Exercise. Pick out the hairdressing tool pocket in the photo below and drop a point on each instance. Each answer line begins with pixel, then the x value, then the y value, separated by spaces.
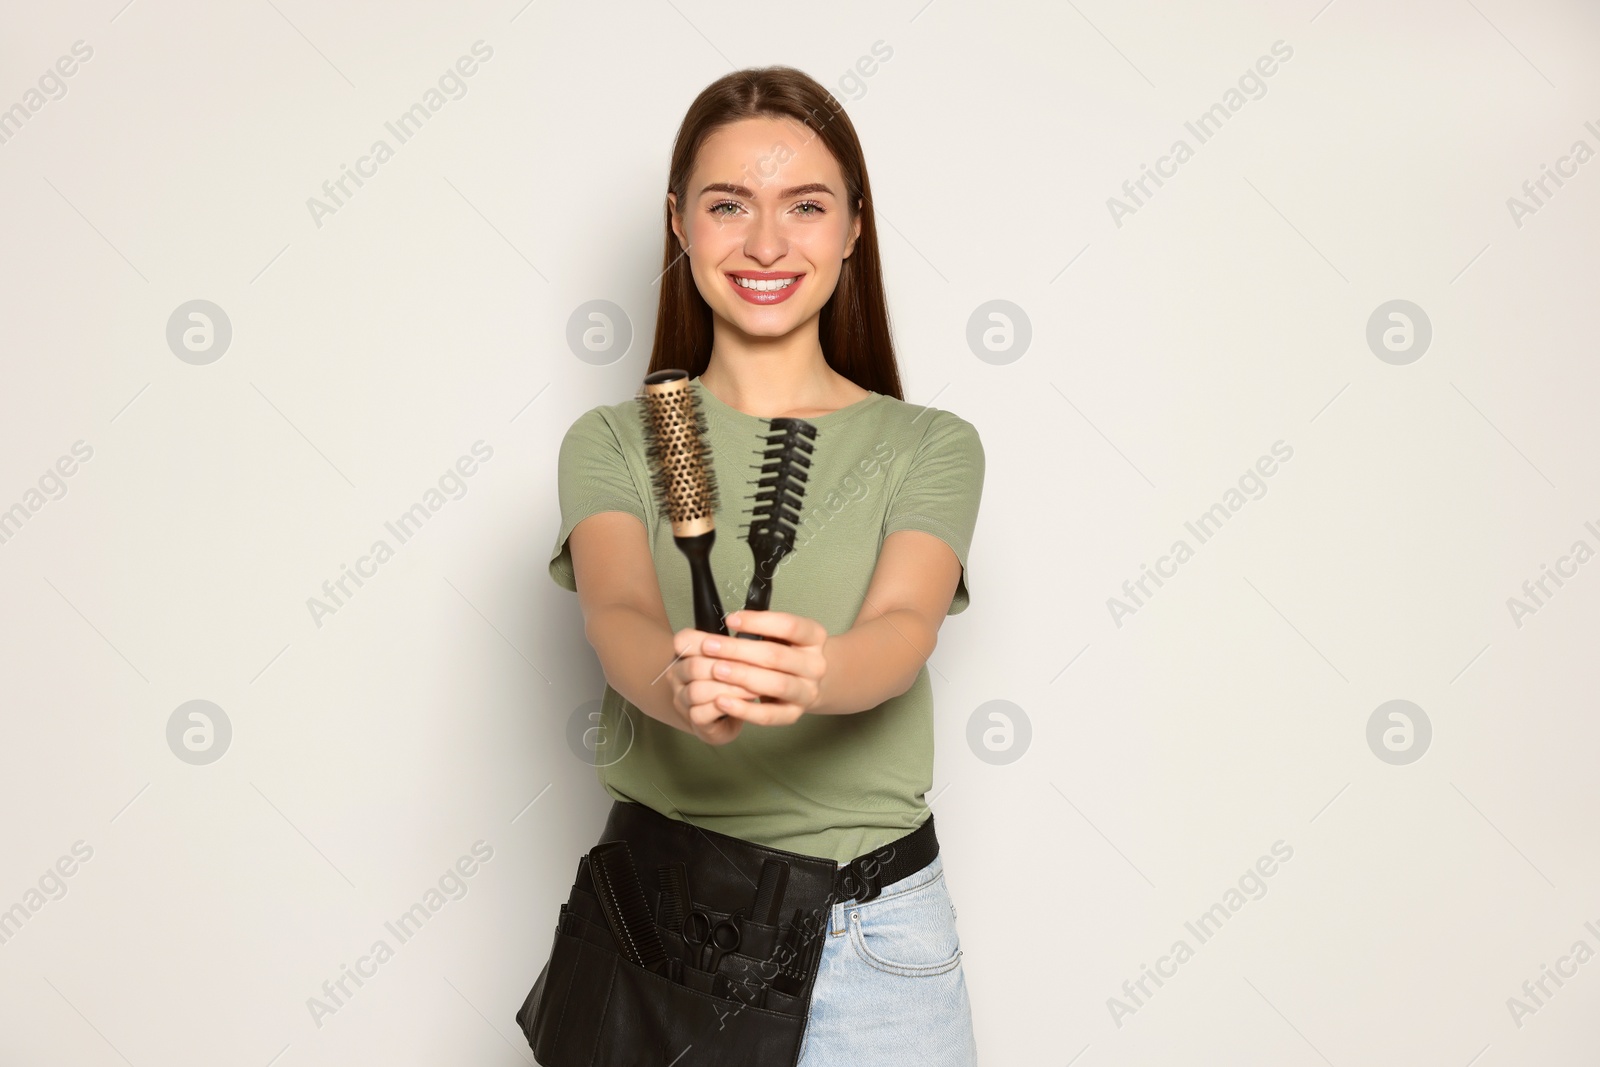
pixel 593 1007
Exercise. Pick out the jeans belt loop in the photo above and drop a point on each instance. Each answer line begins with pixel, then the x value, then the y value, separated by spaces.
pixel 858 881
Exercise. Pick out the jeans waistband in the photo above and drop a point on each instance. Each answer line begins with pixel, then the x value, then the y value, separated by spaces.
pixel 931 870
pixel 727 869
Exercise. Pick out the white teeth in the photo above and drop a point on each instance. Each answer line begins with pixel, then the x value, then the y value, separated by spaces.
pixel 765 286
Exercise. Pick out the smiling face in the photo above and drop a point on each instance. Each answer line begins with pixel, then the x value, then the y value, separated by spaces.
pixel 767 225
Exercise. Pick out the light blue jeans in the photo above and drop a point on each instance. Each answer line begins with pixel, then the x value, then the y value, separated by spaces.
pixel 889 991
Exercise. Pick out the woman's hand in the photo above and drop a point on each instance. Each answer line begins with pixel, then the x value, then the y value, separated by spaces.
pixel 694 691
pixel 785 670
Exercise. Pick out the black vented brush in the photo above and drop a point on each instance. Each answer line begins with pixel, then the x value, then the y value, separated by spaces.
pixel 685 485
pixel 786 463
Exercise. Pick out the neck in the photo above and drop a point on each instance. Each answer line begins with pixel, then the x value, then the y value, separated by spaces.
pixel 765 376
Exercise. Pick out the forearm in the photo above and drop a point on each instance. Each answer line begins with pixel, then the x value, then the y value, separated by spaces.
pixel 872 662
pixel 634 651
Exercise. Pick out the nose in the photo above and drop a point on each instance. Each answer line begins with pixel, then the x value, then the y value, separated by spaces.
pixel 764 241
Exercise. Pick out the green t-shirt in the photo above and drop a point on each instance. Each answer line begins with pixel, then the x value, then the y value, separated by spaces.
pixel 833 786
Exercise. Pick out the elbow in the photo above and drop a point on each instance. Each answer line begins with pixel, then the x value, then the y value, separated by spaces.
pixel 929 641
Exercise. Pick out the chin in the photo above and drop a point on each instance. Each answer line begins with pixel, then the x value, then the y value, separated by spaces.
pixel 765 325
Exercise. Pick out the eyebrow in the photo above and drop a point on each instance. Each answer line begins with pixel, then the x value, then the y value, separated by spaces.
pixel 744 191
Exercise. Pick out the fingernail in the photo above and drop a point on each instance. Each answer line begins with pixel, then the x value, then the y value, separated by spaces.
pixel 734 619
pixel 712 644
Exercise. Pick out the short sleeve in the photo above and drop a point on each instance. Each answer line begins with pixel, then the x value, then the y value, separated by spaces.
pixel 592 476
pixel 941 490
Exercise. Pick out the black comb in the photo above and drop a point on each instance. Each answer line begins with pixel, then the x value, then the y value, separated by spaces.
pixel 769 893
pixel 673 882
pixel 616 882
pixel 792 958
pixel 786 463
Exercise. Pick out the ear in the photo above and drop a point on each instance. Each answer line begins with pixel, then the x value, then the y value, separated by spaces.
pixel 855 230
pixel 677 222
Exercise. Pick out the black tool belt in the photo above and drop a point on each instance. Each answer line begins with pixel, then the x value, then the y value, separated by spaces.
pixel 676 937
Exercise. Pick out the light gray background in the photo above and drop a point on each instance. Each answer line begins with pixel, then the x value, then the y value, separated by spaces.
pixel 1167 354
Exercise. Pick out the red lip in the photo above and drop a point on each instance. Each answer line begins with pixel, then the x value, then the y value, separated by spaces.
pixel 777 296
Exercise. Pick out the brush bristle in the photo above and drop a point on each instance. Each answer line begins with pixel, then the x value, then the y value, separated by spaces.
pixel 781 487
pixel 677 446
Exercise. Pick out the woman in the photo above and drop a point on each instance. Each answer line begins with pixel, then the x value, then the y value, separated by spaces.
pixel 818 740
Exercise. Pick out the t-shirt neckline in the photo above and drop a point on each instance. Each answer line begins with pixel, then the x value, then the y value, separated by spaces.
pixel 711 400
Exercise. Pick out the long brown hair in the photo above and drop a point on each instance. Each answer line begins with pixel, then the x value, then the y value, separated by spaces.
pixel 853 326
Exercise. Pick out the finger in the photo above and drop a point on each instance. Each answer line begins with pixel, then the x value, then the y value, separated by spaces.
pixel 704 692
pixel 776 713
pixel 710 671
pixel 705 714
pixel 719 731
pixel 775 624
pixel 759 681
pixel 781 625
pixel 722 737
pixel 686 642
pixel 688 669
pixel 698 697
pixel 726 730
pixel 771 653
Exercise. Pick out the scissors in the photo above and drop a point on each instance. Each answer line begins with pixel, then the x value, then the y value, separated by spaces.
pixel 711 939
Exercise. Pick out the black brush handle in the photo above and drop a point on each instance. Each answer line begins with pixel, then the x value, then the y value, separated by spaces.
pixel 759 597
pixel 703 586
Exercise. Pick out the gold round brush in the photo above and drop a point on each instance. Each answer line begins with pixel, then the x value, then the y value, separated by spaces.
pixel 685 485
